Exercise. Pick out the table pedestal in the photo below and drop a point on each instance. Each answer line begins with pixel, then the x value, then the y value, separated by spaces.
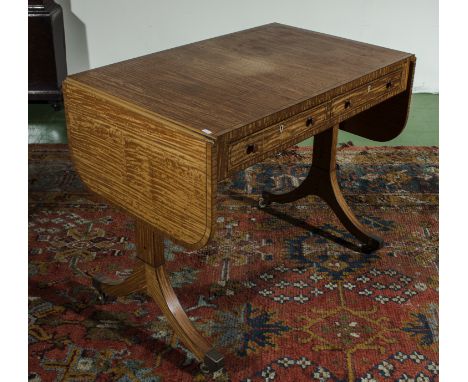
pixel 322 181
pixel 151 276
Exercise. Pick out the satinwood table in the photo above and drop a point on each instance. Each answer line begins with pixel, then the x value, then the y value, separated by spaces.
pixel 155 134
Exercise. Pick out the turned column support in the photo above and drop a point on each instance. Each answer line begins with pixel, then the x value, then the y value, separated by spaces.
pixel 151 276
pixel 322 181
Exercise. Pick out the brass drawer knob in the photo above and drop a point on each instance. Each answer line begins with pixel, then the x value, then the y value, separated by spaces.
pixel 251 148
pixel 281 128
pixel 309 121
pixel 347 104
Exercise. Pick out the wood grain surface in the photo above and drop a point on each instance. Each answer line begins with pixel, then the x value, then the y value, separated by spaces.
pixel 350 99
pixel 136 282
pixel 151 276
pixel 155 134
pixel 386 120
pixel 322 181
pixel 388 85
pixel 275 137
pixel 250 78
pixel 149 244
pixel 150 249
pixel 154 170
pixel 160 289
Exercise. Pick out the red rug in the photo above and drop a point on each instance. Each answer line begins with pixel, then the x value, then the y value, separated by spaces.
pixel 284 295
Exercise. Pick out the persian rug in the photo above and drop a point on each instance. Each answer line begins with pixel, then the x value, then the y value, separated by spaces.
pixel 282 292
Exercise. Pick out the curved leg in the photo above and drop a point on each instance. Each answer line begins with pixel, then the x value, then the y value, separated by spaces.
pixel 330 192
pixel 134 283
pixel 150 247
pixel 150 275
pixel 322 181
pixel 288 197
pixel 160 289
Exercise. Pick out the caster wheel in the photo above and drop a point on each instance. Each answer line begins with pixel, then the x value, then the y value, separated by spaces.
pixel 372 245
pixel 101 296
pixel 263 202
pixel 205 370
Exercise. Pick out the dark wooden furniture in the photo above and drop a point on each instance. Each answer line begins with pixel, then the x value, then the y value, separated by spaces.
pixel 155 134
pixel 47 65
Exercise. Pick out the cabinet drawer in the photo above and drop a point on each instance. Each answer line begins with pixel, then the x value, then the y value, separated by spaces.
pixel 348 102
pixel 276 136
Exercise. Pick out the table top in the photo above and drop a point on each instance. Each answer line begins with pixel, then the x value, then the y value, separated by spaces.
pixel 230 81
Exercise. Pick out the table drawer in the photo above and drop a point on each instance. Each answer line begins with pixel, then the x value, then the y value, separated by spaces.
pixel 276 136
pixel 348 102
pixel 303 122
pixel 245 149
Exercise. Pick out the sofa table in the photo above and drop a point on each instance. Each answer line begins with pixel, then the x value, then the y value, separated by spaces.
pixel 153 135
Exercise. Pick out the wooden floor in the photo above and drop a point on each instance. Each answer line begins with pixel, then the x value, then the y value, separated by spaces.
pixel 48 126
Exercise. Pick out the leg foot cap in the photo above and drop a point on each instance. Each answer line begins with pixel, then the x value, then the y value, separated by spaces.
pixel 372 245
pixel 212 363
pixel 265 200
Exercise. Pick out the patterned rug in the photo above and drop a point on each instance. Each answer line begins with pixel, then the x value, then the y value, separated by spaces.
pixel 283 293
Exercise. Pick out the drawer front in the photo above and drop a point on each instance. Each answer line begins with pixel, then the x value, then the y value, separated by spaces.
pixel 253 148
pixel 347 103
pixel 276 136
pixel 245 149
pixel 303 122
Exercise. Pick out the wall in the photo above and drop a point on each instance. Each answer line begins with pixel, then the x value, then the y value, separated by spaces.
pixel 107 31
